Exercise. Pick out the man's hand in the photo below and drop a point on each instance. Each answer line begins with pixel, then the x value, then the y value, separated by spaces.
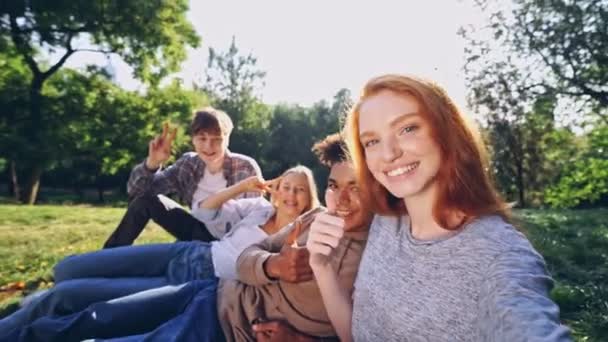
pixel 276 331
pixel 159 148
pixel 325 234
pixel 291 265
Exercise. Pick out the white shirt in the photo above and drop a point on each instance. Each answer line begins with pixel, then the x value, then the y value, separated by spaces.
pixel 210 183
pixel 238 225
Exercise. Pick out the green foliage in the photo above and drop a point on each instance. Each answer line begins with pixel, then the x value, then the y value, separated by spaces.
pixel 232 82
pixel 117 128
pixel 13 105
pixel 585 180
pixel 151 36
pixel 536 71
pixel 294 129
pixel 554 47
pixel 569 39
pixel 574 244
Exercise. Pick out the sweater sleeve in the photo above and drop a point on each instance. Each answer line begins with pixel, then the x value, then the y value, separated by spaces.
pixel 143 180
pixel 221 220
pixel 514 300
pixel 250 264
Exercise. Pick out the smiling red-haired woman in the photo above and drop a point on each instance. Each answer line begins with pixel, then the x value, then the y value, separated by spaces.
pixel 442 261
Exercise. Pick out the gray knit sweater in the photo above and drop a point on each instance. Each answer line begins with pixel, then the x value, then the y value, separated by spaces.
pixel 484 283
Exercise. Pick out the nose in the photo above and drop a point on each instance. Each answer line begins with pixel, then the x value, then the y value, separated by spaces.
pixel 344 196
pixel 391 150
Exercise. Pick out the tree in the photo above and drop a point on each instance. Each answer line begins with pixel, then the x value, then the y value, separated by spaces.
pixel 100 151
pixel 232 82
pixel 294 129
pixel 151 36
pixel 558 46
pixel 584 181
pixel 569 39
pixel 13 108
pixel 532 58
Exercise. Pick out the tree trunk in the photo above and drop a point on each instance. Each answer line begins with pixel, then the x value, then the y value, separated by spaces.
pixel 78 192
pixel 520 183
pixel 100 197
pixel 33 184
pixel 36 127
pixel 14 188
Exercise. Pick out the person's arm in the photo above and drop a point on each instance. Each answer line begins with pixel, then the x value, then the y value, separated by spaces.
pixel 143 180
pixel 325 235
pixel 216 200
pixel 147 175
pixel 515 303
pixel 275 258
pixel 219 212
pixel 251 264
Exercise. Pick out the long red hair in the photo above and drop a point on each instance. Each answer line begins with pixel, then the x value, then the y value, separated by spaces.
pixel 464 182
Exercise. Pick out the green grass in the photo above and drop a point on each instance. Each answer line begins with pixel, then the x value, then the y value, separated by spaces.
pixel 573 242
pixel 34 238
pixel 575 246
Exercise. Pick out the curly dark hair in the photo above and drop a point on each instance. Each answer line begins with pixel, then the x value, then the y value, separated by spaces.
pixel 331 150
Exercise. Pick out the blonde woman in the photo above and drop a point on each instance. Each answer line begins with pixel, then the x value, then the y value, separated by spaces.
pixel 111 273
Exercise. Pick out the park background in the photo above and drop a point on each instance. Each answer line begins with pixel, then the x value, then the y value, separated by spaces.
pixel 84 85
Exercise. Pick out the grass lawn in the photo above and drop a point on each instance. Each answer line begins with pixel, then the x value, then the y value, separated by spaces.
pixel 574 243
pixel 34 238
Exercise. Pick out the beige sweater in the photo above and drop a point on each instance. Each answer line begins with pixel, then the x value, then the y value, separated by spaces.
pixel 300 304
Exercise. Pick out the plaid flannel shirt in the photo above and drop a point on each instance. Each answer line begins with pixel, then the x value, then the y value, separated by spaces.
pixel 182 178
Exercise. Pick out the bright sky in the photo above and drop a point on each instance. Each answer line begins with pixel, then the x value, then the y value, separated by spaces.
pixel 311 49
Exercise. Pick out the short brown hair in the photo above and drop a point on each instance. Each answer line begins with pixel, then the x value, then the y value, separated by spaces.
pixel 212 121
pixel 331 150
pixel 464 180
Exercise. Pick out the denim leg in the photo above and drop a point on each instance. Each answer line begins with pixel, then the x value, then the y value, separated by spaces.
pixel 136 314
pixel 75 295
pixel 197 323
pixel 193 262
pixel 130 261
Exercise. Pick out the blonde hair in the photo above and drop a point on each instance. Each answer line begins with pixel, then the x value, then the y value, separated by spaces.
pixel 312 185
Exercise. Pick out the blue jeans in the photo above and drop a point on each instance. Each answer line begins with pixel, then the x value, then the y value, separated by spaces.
pixel 185 312
pixel 112 273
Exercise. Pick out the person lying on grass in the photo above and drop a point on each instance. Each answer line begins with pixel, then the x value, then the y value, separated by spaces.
pixel 111 273
pixel 277 293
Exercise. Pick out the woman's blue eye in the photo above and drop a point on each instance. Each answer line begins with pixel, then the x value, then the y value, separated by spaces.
pixel 370 143
pixel 408 129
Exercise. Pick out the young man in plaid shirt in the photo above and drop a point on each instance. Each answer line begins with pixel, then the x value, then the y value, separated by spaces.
pixel 191 178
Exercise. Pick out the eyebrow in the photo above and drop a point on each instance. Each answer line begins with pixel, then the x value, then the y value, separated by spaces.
pixel 350 182
pixel 396 121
